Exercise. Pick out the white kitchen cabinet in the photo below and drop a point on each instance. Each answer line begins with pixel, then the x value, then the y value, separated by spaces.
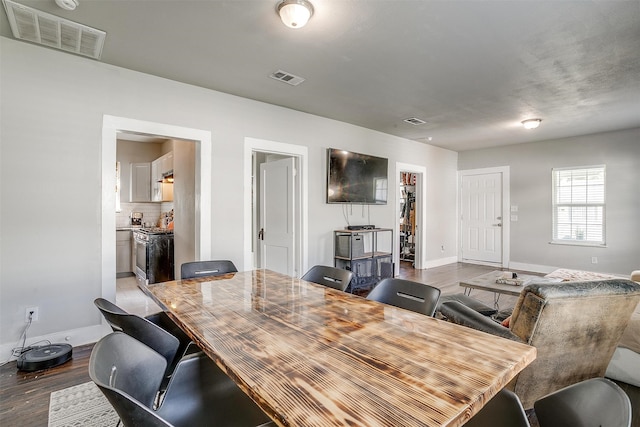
pixel 166 163
pixel 123 253
pixel 140 182
pixel 156 177
pixel 161 192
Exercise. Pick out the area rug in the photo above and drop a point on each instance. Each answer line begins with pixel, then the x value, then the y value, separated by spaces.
pixel 82 405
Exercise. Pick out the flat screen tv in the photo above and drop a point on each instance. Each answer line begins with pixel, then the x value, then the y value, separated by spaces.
pixel 356 178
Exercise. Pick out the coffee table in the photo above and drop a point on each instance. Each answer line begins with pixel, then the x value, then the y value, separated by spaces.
pixel 487 282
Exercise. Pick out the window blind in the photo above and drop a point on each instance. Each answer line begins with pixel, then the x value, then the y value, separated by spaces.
pixel 579 205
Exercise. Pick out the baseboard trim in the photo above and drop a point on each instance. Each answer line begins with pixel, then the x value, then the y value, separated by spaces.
pixel 497 265
pixel 440 262
pixel 534 268
pixel 75 337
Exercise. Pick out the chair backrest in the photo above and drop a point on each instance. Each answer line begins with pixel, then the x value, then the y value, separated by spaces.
pixel 129 374
pixel 332 277
pixel 141 329
pixel 503 410
pixel 191 270
pixel 594 402
pixel 406 294
pixel 575 327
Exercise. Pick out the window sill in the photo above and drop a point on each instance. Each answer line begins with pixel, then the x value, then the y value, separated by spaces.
pixel 577 243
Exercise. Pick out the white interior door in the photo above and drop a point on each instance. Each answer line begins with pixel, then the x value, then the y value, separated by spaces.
pixel 481 217
pixel 277 236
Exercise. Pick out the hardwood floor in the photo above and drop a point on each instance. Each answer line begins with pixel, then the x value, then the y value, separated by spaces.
pixel 448 277
pixel 24 396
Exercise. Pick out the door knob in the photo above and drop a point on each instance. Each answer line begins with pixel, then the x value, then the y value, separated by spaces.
pixel 261 234
pixel 497 225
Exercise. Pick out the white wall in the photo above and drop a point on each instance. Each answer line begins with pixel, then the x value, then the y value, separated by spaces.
pixel 51 112
pixel 531 166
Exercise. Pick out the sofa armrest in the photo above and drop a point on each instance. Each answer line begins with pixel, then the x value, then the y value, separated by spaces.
pixel 460 314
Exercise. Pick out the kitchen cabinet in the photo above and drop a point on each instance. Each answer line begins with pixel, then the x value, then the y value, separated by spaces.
pixel 161 192
pixel 156 185
pixel 166 163
pixel 140 190
pixel 123 253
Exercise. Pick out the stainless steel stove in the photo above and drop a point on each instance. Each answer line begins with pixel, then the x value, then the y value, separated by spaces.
pixel 154 255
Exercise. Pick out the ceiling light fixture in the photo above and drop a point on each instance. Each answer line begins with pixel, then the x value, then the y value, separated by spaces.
pixel 295 13
pixel 68 4
pixel 531 123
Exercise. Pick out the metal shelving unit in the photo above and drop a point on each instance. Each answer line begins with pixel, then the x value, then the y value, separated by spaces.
pixel 367 253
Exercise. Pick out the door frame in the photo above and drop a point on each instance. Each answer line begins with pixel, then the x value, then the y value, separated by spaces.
pixel 420 258
pixel 299 152
pixel 110 127
pixel 506 212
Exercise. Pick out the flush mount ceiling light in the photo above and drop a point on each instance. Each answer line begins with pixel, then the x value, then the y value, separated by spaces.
pixel 531 123
pixel 295 13
pixel 68 4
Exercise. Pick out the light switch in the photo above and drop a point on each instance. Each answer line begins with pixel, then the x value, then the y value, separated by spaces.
pixel 514 218
pixel 514 208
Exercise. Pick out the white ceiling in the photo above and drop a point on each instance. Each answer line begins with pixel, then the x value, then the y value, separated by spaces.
pixel 471 69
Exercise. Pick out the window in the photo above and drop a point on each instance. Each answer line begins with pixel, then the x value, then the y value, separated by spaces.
pixel 579 205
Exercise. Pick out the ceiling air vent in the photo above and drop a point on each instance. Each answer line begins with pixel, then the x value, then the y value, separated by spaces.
pixel 415 121
pixel 289 78
pixel 35 26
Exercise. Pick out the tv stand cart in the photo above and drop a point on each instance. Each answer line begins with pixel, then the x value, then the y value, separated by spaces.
pixel 367 253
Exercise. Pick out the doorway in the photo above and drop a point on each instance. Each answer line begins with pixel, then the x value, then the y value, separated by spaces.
pixel 111 126
pixel 407 235
pixel 410 223
pixel 275 232
pixel 157 183
pixel 484 216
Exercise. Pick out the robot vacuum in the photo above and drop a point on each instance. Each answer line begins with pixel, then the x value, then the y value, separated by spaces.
pixel 47 356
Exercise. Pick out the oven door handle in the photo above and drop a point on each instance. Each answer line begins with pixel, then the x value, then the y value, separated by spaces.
pixel 139 239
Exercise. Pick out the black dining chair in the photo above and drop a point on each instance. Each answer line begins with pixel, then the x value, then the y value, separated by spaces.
pixel 332 277
pixel 503 410
pixel 129 374
pixel 593 402
pixel 157 331
pixel 406 294
pixel 194 269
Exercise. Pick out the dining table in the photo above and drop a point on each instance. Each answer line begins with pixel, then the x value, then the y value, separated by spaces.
pixel 310 355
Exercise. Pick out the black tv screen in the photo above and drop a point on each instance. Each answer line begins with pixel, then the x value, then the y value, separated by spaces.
pixel 356 178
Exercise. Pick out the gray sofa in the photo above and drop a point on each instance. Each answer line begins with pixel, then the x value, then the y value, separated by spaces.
pixel 625 362
pixel 575 327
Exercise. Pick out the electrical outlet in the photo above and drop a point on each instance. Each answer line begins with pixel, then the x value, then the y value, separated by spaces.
pixel 33 312
pixel 594 260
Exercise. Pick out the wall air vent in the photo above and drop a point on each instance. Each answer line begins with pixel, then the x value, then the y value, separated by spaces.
pixel 35 26
pixel 415 121
pixel 288 78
